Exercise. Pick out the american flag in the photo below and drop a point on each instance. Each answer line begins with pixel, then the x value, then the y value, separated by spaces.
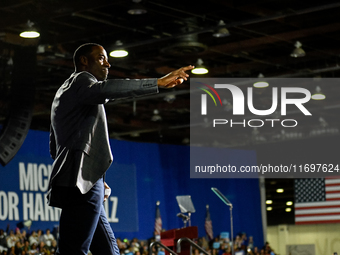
pixel 158 221
pixel 208 225
pixel 317 200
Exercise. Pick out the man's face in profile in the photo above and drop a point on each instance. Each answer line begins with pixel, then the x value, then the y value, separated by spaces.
pixel 98 64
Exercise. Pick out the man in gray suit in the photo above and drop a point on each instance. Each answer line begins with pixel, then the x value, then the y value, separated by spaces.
pixel 79 145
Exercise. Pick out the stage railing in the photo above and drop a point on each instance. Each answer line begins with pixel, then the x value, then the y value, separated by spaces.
pixel 192 243
pixel 163 246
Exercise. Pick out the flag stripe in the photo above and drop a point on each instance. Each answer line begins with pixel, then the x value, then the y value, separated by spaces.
pixel 208 225
pixel 315 207
pixel 333 181
pixel 333 195
pixel 326 217
pixel 317 214
pixel 333 192
pixel 318 204
pixel 158 222
pixel 331 210
pixel 333 188
pixel 333 199
pixel 317 222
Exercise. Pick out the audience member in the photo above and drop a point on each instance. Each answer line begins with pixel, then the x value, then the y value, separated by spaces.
pixel 53 247
pixel 222 249
pixel 26 247
pixel 18 248
pixel 3 241
pixel 243 240
pixel 11 239
pixel 33 250
pixel 256 251
pixel 24 236
pixel 42 248
pixel 19 235
pixel 33 239
pixel 11 251
pixel 202 242
pixel 48 238
pixel 40 236
pixel 237 243
pixel 268 250
pixel 227 251
pixel 250 243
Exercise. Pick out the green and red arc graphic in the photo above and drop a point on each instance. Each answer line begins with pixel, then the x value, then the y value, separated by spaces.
pixel 213 90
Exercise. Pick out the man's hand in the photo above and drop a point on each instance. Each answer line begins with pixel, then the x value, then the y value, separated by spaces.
pixel 107 191
pixel 174 78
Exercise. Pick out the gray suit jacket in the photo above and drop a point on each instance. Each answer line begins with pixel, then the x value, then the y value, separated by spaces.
pixel 79 141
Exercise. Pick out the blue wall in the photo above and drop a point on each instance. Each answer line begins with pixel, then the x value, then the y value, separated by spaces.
pixel 141 174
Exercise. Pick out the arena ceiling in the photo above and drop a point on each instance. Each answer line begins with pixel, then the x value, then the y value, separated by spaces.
pixel 171 34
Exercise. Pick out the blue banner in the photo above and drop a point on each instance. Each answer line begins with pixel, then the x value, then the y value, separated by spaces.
pixel 141 175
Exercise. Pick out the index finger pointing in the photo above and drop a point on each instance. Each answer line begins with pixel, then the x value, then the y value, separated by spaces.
pixel 190 67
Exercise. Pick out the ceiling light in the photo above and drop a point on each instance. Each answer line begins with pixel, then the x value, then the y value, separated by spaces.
pixel 200 68
pixel 156 116
pixel 137 8
pixel 222 31
pixel 29 34
pixel 269 202
pixel 261 83
pixel 298 51
pixel 186 140
pixel 289 203
pixel 288 209
pixel 269 208
pixel 134 134
pixel 10 61
pixel 30 31
pixel 323 122
pixel 119 53
pixel 318 95
pixel 41 49
pixel 280 190
pixel 170 98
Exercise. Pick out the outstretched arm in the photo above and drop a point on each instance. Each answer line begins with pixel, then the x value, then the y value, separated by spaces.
pixel 174 78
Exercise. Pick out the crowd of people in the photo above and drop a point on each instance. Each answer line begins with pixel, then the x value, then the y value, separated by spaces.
pixel 22 242
pixel 241 244
pixel 217 246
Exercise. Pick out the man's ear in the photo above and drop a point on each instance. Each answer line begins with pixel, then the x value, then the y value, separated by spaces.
pixel 83 60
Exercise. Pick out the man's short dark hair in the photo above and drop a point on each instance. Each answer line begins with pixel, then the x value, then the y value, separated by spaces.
pixel 83 50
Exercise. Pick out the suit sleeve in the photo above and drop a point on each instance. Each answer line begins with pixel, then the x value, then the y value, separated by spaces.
pixel 53 148
pixel 91 91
